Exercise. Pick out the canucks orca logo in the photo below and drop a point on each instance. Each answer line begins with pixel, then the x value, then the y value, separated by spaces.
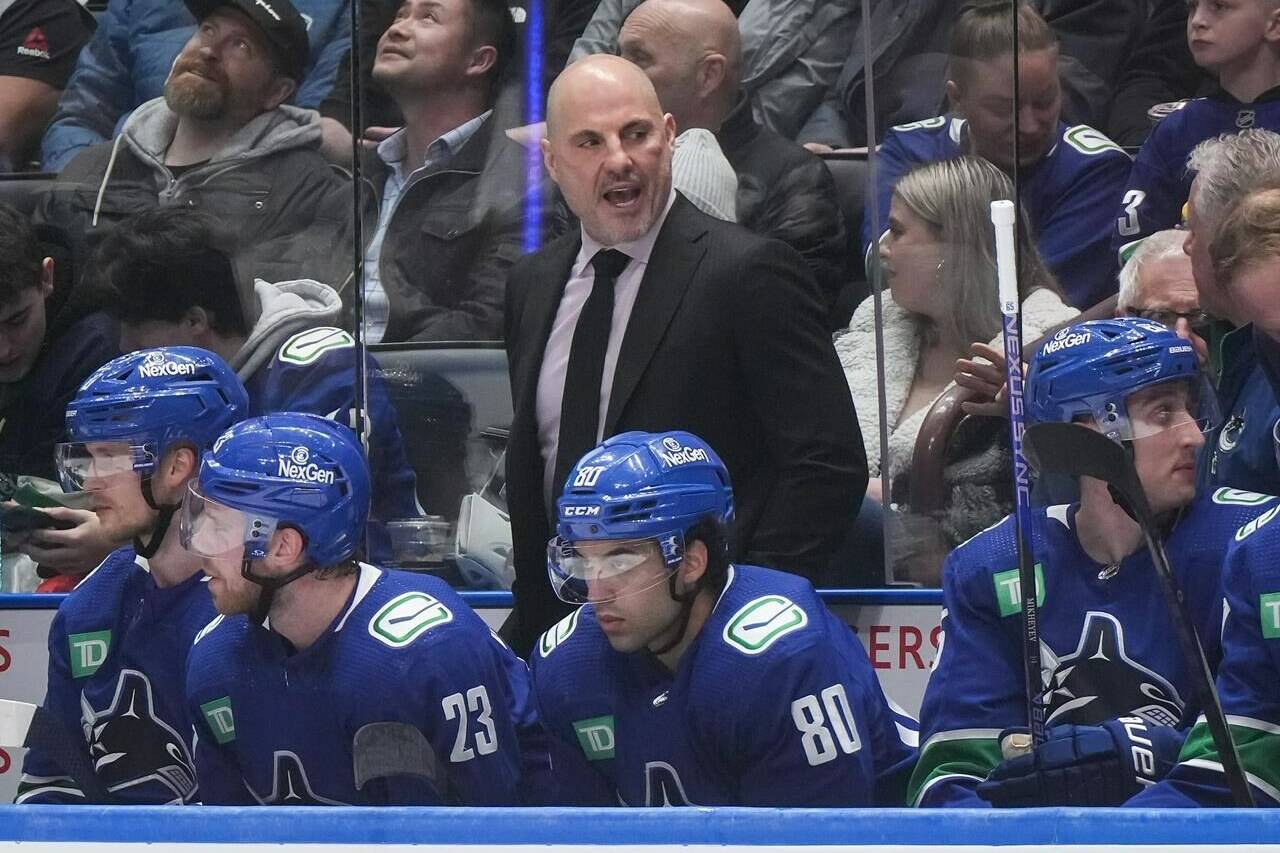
pixel 290 785
pixel 130 746
pixel 1098 681
pixel 1230 435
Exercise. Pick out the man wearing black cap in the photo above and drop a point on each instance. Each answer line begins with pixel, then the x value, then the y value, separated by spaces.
pixel 222 139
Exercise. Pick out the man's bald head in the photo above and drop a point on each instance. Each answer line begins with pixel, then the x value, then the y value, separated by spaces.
pixel 609 147
pixel 692 52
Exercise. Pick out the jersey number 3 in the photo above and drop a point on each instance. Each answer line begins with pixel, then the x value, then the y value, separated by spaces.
pixel 486 736
pixel 816 725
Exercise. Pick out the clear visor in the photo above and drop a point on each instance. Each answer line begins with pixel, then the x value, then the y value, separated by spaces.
pixel 1179 404
pixel 604 570
pixel 97 465
pixel 212 529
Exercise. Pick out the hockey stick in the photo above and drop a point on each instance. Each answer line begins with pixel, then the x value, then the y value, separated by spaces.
pixel 1078 451
pixel 384 750
pixel 1002 217
pixel 27 726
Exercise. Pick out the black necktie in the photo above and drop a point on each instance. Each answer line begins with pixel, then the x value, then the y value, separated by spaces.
pixel 580 405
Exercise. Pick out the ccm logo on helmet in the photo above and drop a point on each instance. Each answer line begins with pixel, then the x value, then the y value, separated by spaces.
pixel 675 454
pixel 154 365
pixel 1061 342
pixel 573 511
pixel 297 466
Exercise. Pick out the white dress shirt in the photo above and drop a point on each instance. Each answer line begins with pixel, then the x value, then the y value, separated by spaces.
pixel 555 358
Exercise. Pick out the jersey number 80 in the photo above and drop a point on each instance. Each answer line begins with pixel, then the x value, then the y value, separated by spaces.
pixel 817 725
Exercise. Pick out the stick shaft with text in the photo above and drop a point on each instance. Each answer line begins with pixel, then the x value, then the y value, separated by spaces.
pixel 1003 217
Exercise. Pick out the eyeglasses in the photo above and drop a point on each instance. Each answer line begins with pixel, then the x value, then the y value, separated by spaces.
pixel 1198 320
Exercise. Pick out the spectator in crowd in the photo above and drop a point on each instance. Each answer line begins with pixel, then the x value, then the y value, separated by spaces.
pixel 452 188
pixel 792 50
pixel 129 59
pixel 1069 177
pixel 908 40
pixel 666 612
pixel 170 283
pixel 715 329
pixel 939 260
pixel 222 140
pixel 690 50
pixel 379 112
pixel 1239 43
pixel 147 601
pixel 52 336
pixel 39 43
pixel 702 174
pixel 1156 283
pixel 1240 452
pixel 384 697
pixel 1114 679
pixel 1157 75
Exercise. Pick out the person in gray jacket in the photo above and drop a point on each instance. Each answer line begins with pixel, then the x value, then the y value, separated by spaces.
pixel 221 140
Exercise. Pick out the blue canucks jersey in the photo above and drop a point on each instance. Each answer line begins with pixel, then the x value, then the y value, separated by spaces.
pixel 117 665
pixel 1069 196
pixel 773 704
pixel 1248 682
pixel 1106 637
pixel 1159 184
pixel 1240 452
pixel 314 371
pixel 406 661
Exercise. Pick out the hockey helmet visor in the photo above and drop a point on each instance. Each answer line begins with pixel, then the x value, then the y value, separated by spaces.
pixel 97 465
pixel 212 529
pixel 604 570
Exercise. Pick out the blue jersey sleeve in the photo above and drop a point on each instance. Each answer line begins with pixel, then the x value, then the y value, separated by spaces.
pixel 1075 236
pixel 465 708
pixel 43 779
pixel 804 725
pixel 974 692
pixel 1154 194
pixel 894 158
pixel 1248 682
pixel 218 775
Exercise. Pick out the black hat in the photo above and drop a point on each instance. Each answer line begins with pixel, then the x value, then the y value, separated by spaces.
pixel 283 26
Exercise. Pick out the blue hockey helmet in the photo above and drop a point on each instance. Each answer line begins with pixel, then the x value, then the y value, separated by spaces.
pixel 289 469
pixel 141 403
pixel 634 490
pixel 1091 369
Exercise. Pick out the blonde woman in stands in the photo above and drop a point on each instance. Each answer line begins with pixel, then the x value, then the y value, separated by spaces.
pixel 940 269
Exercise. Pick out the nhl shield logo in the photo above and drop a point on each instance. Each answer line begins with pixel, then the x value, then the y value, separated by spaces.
pixel 1245 119
pixel 1099 682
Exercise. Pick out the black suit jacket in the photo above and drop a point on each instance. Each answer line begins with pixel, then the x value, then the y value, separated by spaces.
pixel 727 339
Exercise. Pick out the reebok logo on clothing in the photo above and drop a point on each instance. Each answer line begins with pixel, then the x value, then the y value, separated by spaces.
pixel 35 44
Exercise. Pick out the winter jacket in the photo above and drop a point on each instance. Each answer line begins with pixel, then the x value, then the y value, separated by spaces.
pixel 910 40
pixel 128 60
pixel 976 478
pixel 288 210
pixel 787 193
pixel 454 234
pixel 792 52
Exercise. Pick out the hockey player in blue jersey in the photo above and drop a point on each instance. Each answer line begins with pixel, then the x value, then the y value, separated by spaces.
pixel 1248 682
pixel 1239 42
pixel 326 680
pixel 118 645
pixel 172 283
pixel 1069 177
pixel 1113 676
pixel 687 680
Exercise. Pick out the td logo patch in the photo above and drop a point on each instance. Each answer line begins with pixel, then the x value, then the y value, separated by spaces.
pixel 1269 610
pixel 88 652
pixel 1009 590
pixel 220 719
pixel 595 735
pixel 763 622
